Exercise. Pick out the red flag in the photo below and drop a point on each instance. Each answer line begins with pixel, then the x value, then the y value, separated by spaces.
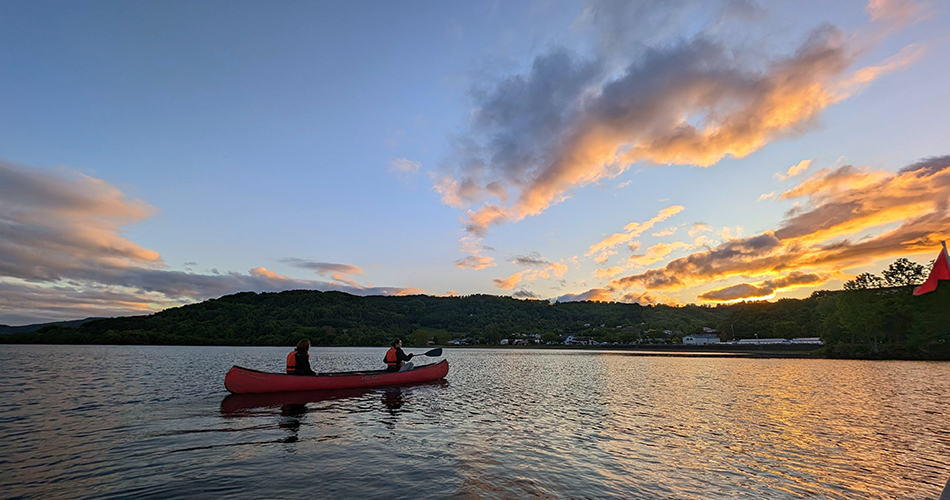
pixel 940 271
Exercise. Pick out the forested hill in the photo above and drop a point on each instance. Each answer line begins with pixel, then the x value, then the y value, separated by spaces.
pixel 871 317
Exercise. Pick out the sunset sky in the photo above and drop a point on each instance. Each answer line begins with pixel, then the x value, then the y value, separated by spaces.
pixel 154 154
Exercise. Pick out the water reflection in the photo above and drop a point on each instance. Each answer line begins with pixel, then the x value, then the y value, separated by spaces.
pixel 508 424
pixel 237 405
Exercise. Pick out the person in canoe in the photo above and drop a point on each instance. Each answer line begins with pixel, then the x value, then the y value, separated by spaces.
pixel 396 360
pixel 298 361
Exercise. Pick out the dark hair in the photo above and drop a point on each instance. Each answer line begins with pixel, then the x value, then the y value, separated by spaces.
pixel 394 342
pixel 303 345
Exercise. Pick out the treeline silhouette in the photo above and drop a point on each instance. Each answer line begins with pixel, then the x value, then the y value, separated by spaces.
pixel 861 321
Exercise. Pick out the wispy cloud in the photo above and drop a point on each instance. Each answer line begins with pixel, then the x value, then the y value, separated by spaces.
pixel 476 259
pixel 603 249
pixel 670 231
pixel 794 170
pixel 656 253
pixel 404 166
pixel 697 228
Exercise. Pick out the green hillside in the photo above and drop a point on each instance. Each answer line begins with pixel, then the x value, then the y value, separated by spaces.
pixel 875 322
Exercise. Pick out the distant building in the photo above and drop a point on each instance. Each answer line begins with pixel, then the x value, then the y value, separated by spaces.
pixel 808 340
pixel 701 339
pixel 572 340
pixel 763 341
pixel 706 329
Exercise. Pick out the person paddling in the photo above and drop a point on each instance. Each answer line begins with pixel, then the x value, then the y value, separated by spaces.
pixel 395 357
pixel 298 361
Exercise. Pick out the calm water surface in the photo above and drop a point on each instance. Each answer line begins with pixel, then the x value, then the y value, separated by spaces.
pixel 156 422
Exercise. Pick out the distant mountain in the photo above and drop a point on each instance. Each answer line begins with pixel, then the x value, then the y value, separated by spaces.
pixel 76 323
pixel 879 323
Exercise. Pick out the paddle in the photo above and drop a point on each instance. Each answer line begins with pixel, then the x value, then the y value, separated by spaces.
pixel 434 352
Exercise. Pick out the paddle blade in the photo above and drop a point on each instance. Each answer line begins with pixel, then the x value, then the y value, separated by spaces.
pixel 434 352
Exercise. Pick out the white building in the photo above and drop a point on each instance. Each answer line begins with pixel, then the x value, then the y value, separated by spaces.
pixel 808 340
pixel 763 341
pixel 701 339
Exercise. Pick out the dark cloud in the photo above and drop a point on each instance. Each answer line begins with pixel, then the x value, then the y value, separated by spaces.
pixel 731 256
pixel 927 166
pixel 525 294
pixel 594 294
pixel 533 259
pixel 764 289
pixel 322 268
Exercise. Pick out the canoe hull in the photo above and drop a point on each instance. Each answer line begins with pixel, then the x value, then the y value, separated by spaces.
pixel 246 381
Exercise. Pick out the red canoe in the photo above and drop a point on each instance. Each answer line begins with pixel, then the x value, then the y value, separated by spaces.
pixel 246 381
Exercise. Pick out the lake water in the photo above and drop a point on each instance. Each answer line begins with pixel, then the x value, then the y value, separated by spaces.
pixel 156 422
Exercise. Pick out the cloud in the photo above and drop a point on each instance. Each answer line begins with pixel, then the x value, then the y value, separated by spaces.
pixel 670 231
pixel 525 294
pixel 555 269
pixel 404 166
pixel 895 214
pixel 594 295
pixel 648 299
pixel 55 225
pixel 261 271
pixel 767 196
pixel 533 259
pixel 476 260
pixel 62 255
pixel 656 253
pixel 699 227
pixel 794 170
pixel 765 289
pixel 602 250
pixel 898 11
pixel 323 268
pixel 608 273
pixel 570 121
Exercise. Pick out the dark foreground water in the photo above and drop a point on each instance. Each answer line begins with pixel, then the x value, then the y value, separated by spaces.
pixel 156 422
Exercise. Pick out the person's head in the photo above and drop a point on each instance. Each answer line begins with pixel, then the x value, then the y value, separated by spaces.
pixel 303 345
pixel 396 342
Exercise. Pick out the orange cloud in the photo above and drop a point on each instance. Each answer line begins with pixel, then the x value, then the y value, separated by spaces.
pixel 608 273
pixel 794 170
pixel 764 289
pixel 813 238
pixel 477 260
pixel 261 271
pixel 602 250
pixel 698 227
pixel 568 124
pixel 594 295
pixel 656 253
pixel 556 269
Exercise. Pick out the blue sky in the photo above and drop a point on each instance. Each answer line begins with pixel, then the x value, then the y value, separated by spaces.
pixel 155 154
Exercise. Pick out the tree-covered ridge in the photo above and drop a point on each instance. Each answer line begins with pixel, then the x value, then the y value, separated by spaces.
pixel 867 317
